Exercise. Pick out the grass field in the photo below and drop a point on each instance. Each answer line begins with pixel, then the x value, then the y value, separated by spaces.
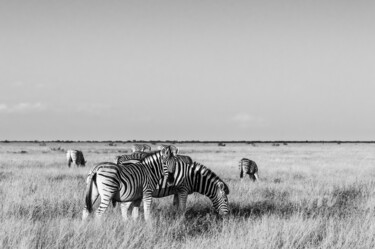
pixel 309 196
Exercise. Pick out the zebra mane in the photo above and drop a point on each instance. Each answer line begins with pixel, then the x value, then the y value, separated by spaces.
pixel 138 155
pixel 203 170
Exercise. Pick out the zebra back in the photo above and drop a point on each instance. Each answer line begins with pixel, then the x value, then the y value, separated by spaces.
pixel 136 156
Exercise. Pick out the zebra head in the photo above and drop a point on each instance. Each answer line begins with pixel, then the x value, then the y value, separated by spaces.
pixel 220 199
pixel 168 158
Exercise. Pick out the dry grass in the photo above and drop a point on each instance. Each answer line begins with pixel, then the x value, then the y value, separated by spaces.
pixel 310 196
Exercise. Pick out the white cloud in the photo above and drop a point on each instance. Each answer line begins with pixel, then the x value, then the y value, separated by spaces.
pixel 244 120
pixel 21 107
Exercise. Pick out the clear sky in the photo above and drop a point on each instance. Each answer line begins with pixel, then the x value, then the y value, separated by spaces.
pixel 182 70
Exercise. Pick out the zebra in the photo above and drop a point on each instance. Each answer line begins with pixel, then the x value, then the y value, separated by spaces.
pixel 141 147
pixel 75 156
pixel 188 178
pixel 249 167
pixel 134 157
pixel 130 183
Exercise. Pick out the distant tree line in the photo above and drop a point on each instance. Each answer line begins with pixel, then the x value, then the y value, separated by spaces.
pixel 222 142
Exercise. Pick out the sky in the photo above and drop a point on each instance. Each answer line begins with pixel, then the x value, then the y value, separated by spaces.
pixel 187 70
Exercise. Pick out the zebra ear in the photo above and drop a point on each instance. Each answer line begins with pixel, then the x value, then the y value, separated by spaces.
pixel 162 146
pixel 223 187
pixel 165 151
pixel 174 150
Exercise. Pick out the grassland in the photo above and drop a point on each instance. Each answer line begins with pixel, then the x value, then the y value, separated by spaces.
pixel 309 196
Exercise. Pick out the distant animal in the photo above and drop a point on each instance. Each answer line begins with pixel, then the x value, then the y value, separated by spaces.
pixel 128 183
pixel 75 156
pixel 141 147
pixel 247 166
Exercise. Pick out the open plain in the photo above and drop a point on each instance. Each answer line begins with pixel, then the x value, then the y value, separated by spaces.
pixel 309 196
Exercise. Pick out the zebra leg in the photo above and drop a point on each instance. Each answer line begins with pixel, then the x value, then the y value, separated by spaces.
pixel 106 195
pixel 176 202
pixel 182 197
pixel 124 209
pixel 241 173
pixel 147 200
pixel 256 177
pixel 92 196
pixel 136 205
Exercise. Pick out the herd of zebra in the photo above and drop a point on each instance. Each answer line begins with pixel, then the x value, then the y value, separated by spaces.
pixel 145 174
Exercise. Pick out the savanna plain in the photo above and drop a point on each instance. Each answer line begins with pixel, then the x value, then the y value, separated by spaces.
pixel 308 196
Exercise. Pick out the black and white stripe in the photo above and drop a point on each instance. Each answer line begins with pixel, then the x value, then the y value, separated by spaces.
pixel 247 166
pixel 189 178
pixel 75 156
pixel 134 157
pixel 130 183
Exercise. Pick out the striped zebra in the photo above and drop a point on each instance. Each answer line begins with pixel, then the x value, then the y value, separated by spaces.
pixel 141 147
pixel 128 183
pixel 134 157
pixel 247 166
pixel 188 178
pixel 75 156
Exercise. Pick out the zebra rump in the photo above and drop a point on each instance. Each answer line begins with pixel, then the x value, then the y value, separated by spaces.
pixel 247 166
pixel 75 156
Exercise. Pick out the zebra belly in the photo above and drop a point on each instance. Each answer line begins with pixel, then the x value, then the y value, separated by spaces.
pixel 128 194
pixel 163 192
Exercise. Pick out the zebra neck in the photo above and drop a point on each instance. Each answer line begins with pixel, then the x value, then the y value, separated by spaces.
pixel 204 180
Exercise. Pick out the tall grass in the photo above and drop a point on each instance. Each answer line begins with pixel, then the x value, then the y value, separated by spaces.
pixel 309 196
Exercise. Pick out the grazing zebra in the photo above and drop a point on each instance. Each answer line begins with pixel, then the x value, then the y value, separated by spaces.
pixel 187 179
pixel 75 156
pixel 128 183
pixel 141 147
pixel 249 167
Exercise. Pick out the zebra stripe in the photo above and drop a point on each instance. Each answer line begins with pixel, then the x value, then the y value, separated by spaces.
pixel 134 157
pixel 75 156
pixel 190 178
pixel 247 166
pixel 126 184
pixel 141 147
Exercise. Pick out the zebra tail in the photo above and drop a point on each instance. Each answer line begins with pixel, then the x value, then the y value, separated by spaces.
pixel 89 203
